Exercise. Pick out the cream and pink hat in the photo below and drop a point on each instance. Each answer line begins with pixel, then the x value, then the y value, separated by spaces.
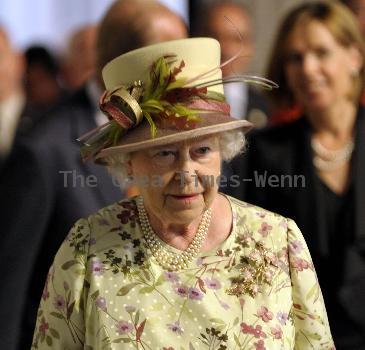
pixel 161 94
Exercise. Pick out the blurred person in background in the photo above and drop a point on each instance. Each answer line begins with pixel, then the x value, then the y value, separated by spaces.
pixel 283 114
pixel 42 86
pixel 12 96
pixel 41 78
pixel 45 186
pixel 318 161
pixel 79 59
pixel 221 20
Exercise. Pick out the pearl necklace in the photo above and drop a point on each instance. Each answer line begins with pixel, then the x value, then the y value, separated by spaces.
pixel 168 260
pixel 327 160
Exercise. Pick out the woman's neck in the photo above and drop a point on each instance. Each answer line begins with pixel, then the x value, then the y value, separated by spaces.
pixel 180 235
pixel 175 234
pixel 336 123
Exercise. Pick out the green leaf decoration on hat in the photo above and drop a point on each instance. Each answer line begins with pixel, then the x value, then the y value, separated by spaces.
pixel 155 102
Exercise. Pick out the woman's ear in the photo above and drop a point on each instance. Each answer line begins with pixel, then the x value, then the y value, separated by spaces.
pixel 357 60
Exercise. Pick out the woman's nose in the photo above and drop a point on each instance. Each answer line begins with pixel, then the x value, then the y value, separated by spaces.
pixel 186 171
pixel 309 64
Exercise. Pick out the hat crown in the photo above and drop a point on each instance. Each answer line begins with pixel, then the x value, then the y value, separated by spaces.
pixel 199 54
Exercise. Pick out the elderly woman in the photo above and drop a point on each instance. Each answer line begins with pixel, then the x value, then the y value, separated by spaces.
pixel 180 266
pixel 318 61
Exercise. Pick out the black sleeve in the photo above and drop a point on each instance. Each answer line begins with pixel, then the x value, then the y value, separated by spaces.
pixel 25 198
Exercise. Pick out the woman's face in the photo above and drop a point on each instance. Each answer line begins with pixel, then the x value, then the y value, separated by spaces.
pixel 178 181
pixel 318 69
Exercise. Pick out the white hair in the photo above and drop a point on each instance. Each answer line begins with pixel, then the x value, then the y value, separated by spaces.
pixel 231 143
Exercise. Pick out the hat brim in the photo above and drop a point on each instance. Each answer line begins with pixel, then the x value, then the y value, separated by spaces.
pixel 141 138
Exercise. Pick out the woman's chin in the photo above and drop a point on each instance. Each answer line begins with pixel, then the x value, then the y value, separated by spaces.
pixel 317 104
pixel 184 215
pixel 321 99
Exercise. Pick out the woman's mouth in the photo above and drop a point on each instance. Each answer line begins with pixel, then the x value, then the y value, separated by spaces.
pixel 185 198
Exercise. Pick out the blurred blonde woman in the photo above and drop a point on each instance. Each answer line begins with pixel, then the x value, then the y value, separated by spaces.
pixel 318 61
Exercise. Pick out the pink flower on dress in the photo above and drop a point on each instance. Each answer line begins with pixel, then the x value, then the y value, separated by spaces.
pixel 282 317
pixel 255 331
pixel 300 264
pixel 260 345
pixel 43 326
pixel 296 247
pixel 276 332
pixel 195 294
pixel 59 302
pixel 172 276
pixel 101 303
pixel 258 333
pixel 212 283
pixel 97 268
pixel 175 327
pixel 123 327
pixel 265 228
pixel 265 314
pixel 181 290
pixel 246 329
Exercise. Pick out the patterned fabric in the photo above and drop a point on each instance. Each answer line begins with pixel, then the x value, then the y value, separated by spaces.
pixel 258 290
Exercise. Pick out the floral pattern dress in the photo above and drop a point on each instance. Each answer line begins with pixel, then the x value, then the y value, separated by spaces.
pixel 258 290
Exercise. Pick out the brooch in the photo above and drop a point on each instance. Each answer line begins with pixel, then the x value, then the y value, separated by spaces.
pixel 254 270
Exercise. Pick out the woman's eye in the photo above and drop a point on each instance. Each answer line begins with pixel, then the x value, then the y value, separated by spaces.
pixel 294 58
pixel 322 52
pixel 203 150
pixel 165 153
